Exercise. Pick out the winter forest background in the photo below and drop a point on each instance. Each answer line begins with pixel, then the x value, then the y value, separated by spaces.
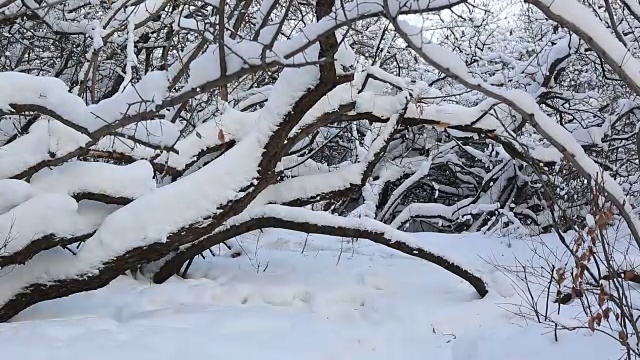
pixel 165 141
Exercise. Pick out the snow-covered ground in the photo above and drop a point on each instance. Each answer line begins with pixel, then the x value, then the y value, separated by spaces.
pixel 336 300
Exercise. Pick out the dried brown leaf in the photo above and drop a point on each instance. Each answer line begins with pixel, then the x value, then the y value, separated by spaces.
pixel 560 275
pixel 622 336
pixel 629 274
pixel 602 297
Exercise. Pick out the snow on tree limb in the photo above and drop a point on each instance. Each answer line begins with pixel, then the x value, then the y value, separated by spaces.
pixel 94 180
pixel 152 226
pixel 525 105
pixel 357 10
pixel 440 212
pixel 57 223
pixel 32 152
pixel 277 216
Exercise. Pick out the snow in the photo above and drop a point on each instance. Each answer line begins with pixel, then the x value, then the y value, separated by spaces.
pixel 446 56
pixel 347 12
pixel 55 214
pixel 562 49
pixel 581 17
pixel 13 193
pixel 336 300
pixel 304 187
pixel 382 106
pixel 341 95
pixel 422 171
pixel 56 23
pixel 289 296
pixel 253 100
pixel 566 322
pixel 589 136
pixel 308 167
pixel 153 217
pixel 451 114
pixel 555 132
pixel 131 57
pixel 234 124
pixel 525 104
pixel 145 10
pixel 48 92
pixel 447 213
pixel 129 181
pixel 53 95
pixel 386 77
pixel 633 6
pixel 384 133
pixel 345 56
pixel 158 132
pixel 135 98
pixel 546 154
pixel 44 138
pixel 206 67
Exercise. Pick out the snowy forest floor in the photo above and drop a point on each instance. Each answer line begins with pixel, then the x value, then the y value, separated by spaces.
pixel 334 301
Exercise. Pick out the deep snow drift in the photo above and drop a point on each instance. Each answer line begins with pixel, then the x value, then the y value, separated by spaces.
pixel 338 299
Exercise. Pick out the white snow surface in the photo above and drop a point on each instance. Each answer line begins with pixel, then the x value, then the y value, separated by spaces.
pixel 337 299
pixel 12 193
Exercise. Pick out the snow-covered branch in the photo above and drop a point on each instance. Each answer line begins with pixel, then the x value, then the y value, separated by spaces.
pixel 277 216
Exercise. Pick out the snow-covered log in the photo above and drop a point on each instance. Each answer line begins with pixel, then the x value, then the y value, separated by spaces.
pixel 307 221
